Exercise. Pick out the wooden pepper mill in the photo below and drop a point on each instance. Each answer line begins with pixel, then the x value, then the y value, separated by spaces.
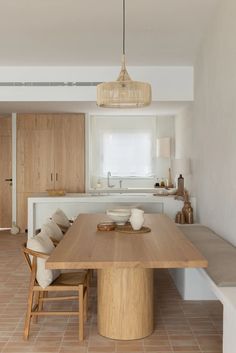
pixel 180 188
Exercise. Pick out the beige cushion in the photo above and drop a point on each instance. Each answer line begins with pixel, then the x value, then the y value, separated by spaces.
pixel 42 243
pixel 60 218
pixel 221 255
pixel 52 230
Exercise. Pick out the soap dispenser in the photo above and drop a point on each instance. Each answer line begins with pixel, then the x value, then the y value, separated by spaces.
pixel 157 184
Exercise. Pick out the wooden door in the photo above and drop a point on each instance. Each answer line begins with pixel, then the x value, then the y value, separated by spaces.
pixel 69 151
pixel 35 160
pixel 35 153
pixel 5 172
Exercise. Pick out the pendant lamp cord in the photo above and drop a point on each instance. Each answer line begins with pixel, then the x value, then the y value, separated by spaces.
pixel 123 27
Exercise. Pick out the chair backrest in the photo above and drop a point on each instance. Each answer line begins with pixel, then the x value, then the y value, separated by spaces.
pixel 31 259
pixel 31 262
pixel 26 254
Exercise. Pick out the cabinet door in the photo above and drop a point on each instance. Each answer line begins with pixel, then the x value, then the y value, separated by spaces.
pixel 35 149
pixel 69 140
pixel 35 161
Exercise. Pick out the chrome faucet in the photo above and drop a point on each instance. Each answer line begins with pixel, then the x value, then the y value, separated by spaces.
pixel 120 181
pixel 108 180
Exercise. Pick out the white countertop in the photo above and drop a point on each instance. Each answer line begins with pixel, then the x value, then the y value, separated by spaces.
pixel 101 197
pixel 41 206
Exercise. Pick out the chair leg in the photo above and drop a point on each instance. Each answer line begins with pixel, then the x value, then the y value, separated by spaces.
pixel 91 275
pixel 81 312
pixel 28 314
pixel 85 303
pixel 36 299
pixel 41 296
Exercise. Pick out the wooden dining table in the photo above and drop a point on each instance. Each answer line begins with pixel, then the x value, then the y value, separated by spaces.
pixel 125 264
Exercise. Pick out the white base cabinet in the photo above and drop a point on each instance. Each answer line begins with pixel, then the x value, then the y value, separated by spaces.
pixel 40 208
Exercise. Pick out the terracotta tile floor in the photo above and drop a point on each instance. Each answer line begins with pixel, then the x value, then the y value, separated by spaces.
pixel 180 326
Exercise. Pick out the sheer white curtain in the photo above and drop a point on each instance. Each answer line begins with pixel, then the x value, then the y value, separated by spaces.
pixel 125 146
pixel 127 153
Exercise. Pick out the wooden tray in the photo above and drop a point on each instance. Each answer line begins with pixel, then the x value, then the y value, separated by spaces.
pixel 127 228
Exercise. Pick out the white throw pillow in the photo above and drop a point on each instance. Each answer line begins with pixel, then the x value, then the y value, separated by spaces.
pixel 52 230
pixel 42 243
pixel 60 218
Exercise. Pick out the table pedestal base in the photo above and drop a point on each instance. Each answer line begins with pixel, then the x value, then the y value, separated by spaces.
pixel 125 303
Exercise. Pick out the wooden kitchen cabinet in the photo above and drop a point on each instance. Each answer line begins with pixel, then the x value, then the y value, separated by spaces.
pixel 50 155
pixel 35 160
pixel 69 144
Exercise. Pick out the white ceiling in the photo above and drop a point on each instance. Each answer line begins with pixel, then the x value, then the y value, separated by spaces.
pixel 88 32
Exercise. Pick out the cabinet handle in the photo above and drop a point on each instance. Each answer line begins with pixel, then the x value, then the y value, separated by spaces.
pixel 56 176
pixel 51 177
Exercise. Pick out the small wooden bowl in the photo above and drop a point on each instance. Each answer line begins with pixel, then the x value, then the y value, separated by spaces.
pixel 56 192
pixel 106 226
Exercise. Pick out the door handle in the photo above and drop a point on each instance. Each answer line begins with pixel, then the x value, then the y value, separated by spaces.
pixel 10 179
pixel 56 176
pixel 51 177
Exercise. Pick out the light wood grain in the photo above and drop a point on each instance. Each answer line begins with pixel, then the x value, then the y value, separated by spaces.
pixel 125 303
pixel 35 158
pixel 125 263
pixel 164 247
pixel 5 172
pixel 69 152
pixel 50 155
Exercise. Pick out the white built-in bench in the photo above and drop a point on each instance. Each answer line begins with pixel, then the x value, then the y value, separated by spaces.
pixel 218 281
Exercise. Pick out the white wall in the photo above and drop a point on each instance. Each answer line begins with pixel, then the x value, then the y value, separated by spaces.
pixel 183 133
pixel 214 124
pixel 183 139
pixel 165 128
pixel 169 83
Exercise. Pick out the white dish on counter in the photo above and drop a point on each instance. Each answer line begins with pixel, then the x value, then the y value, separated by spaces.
pixel 172 191
pixel 165 192
pixel 161 192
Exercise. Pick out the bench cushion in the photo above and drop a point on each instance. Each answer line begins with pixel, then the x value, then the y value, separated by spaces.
pixel 221 255
pixel 42 243
pixel 52 230
pixel 60 218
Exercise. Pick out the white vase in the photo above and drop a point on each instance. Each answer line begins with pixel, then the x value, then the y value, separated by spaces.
pixel 137 218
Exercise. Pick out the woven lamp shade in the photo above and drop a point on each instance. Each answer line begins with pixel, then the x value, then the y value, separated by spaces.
pixel 124 93
pixel 129 94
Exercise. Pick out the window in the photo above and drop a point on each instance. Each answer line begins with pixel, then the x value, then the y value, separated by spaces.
pixel 127 154
pixel 123 145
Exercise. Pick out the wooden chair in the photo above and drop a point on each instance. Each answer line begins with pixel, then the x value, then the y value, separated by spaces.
pixel 74 281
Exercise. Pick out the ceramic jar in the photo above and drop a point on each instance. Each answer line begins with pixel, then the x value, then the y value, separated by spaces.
pixel 137 218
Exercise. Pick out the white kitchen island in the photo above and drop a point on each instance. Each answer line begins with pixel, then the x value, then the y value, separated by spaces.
pixel 41 207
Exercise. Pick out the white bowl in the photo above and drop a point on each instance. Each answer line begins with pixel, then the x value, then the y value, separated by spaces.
pixel 172 191
pixel 162 192
pixel 119 215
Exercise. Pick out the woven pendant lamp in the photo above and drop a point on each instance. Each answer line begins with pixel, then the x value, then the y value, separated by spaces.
pixel 124 92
